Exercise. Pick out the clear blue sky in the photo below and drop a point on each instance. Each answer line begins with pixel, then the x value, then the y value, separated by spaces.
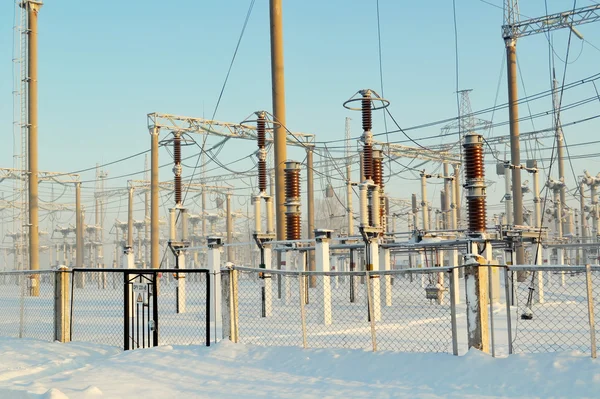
pixel 104 65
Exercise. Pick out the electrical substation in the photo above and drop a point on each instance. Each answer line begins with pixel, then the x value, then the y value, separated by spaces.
pixel 372 205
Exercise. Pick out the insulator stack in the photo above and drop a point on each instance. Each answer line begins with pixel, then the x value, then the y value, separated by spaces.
pixel 367 119
pixel 368 161
pixel 475 183
pixel 260 130
pixel 262 176
pixel 262 154
pixel 177 167
pixel 378 181
pixel 377 168
pixel 292 200
pixel 372 198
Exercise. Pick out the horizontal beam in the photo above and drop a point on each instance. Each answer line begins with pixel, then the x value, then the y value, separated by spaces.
pixel 224 129
pixel 567 19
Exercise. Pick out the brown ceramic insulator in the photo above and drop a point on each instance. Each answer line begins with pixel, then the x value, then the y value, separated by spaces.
pixel 474 162
pixel 377 172
pixel 178 189
pixel 177 159
pixel 177 149
pixel 262 175
pixel 368 161
pixel 477 214
pixel 292 183
pixel 293 228
pixel 367 121
pixel 260 131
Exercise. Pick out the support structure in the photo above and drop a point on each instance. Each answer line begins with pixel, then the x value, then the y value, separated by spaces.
pixel 279 134
pixel 511 31
pixel 476 274
pixel 214 265
pixel 322 239
pixel 154 201
pixel 310 193
pixel 33 8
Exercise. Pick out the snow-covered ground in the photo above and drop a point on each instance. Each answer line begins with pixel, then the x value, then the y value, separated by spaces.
pixel 38 369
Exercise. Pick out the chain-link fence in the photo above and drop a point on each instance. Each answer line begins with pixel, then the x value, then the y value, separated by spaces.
pixel 269 309
pixel 27 304
pixel 183 303
pixel 399 310
pixel 97 307
pixel 550 311
pixel 416 314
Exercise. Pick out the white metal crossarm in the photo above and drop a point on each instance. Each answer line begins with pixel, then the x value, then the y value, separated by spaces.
pixel 401 151
pixel 57 177
pixel 567 19
pixel 46 206
pixel 144 185
pixel 218 128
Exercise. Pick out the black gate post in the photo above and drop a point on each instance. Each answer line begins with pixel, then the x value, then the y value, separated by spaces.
pixel 155 307
pixel 126 315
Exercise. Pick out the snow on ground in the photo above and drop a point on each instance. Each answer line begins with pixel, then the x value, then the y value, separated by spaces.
pixel 37 369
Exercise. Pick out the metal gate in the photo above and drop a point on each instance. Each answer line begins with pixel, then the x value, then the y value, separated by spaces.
pixel 140 310
pixel 147 307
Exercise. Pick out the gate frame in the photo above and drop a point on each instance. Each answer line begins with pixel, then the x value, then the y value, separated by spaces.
pixel 142 272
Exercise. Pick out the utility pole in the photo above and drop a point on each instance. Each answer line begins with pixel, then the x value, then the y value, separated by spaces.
pixel 146 216
pixel 78 235
pixel 154 201
pixel 447 197
pixel 130 220
pixel 279 134
pixel 229 227
pixel 511 31
pixel 33 8
pixel 511 15
pixel 349 211
pixel 583 221
pixel 311 205
pixel 560 152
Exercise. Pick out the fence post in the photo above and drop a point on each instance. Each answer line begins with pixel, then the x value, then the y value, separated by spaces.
pixel 235 322
pixel 384 264
pixel 214 265
pixel 508 300
pixel 476 282
pixel 590 300
pixel 322 238
pixel 371 311
pixel 453 272
pixel 62 323
pixel 226 299
pixel 492 280
pixel 301 284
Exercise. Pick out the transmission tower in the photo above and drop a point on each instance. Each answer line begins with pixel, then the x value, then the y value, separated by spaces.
pixel 466 122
